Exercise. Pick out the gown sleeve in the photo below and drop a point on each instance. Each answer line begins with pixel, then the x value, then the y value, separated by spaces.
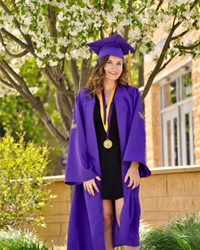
pixel 78 169
pixel 135 148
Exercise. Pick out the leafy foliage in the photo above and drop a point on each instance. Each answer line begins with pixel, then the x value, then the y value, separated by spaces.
pixel 19 240
pixel 180 234
pixel 8 118
pixel 11 106
pixel 22 189
pixel 35 129
pixel 78 22
pixel 53 35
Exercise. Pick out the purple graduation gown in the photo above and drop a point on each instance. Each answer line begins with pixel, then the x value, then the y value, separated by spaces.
pixel 86 218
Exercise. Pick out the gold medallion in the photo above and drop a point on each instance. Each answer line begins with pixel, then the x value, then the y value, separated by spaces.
pixel 107 144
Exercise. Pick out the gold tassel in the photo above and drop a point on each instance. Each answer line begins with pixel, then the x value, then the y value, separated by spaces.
pixel 129 68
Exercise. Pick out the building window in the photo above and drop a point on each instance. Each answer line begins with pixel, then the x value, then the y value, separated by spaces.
pixel 176 121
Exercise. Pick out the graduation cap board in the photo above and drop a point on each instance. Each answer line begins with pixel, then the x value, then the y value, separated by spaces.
pixel 113 45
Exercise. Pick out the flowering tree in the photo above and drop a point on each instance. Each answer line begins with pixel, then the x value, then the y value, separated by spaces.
pixel 55 32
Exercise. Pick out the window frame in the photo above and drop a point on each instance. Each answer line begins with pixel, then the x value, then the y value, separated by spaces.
pixel 178 111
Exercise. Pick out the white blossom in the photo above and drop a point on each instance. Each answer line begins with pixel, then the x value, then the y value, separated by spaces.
pixel 94 63
pixel 90 40
pixel 27 20
pixel 2 48
pixel 61 16
pixel 24 29
pixel 38 62
pixel 53 63
pixel 67 56
pixel 33 90
pixel 60 55
pixel 74 33
pixel 63 41
pixel 6 91
pixel 77 25
pixel 143 49
pixel 135 59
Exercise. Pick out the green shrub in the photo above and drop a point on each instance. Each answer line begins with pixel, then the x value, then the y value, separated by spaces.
pixel 19 240
pixel 180 234
pixel 144 231
pixel 22 189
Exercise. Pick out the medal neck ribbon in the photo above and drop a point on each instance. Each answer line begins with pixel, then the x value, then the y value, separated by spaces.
pixel 105 125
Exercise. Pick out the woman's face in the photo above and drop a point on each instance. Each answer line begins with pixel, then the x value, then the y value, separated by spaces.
pixel 113 67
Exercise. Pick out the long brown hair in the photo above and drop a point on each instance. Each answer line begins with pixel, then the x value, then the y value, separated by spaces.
pixel 95 83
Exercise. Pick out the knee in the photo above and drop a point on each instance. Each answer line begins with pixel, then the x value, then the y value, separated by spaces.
pixel 107 220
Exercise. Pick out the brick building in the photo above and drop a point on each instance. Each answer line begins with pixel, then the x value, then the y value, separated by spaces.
pixel 172 118
pixel 172 113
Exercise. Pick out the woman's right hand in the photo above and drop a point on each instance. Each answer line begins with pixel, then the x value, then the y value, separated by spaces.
pixel 91 185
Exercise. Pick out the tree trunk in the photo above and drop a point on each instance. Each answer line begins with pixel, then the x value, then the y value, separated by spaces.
pixel 140 67
pixel 85 73
pixel 64 110
pixel 75 75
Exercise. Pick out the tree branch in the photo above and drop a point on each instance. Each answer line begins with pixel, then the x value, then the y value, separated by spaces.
pixel 180 35
pixel 141 10
pixel 9 78
pixel 6 83
pixel 63 76
pixel 65 111
pixel 140 67
pixel 27 6
pixel 75 74
pixel 14 4
pixel 193 5
pixel 49 76
pixel 26 37
pixel 85 73
pixel 11 71
pixel 38 106
pixel 105 6
pixel 63 60
pixel 126 29
pixel 13 83
pixel 48 123
pixel 19 79
pixel 52 21
pixel 164 66
pixel 189 47
pixel 14 38
pixel 186 31
pixel 23 53
pixel 101 32
pixel 159 4
pixel 160 60
pixel 189 52
pixel 47 94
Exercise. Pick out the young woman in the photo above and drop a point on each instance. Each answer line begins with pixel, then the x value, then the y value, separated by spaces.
pixel 106 155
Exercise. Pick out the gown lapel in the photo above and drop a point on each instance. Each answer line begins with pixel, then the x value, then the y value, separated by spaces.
pixel 91 134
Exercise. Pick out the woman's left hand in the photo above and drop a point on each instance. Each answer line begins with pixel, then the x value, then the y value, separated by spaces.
pixel 133 175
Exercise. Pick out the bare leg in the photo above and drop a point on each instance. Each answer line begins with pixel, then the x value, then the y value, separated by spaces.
pixel 118 207
pixel 131 248
pixel 107 223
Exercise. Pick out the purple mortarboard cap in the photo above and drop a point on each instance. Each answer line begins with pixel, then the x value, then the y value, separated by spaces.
pixel 113 45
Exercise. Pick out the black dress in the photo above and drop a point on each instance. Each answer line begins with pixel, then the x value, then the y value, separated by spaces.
pixel 110 159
